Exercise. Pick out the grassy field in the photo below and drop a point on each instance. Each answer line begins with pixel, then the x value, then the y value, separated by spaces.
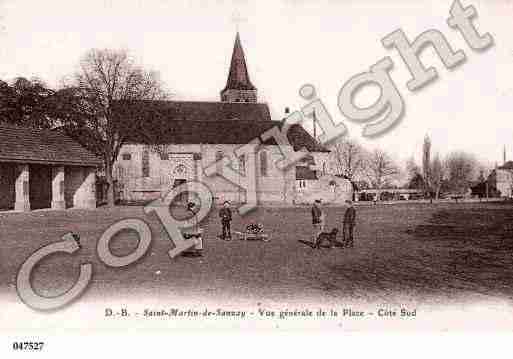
pixel 417 252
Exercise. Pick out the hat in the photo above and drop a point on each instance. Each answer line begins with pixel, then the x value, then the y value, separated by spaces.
pixel 317 201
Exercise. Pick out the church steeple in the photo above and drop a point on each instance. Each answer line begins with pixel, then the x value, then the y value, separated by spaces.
pixel 238 86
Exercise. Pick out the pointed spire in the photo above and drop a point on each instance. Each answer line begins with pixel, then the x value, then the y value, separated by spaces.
pixel 238 78
pixel 504 155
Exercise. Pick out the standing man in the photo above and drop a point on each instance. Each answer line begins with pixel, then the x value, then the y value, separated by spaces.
pixel 349 219
pixel 226 217
pixel 317 220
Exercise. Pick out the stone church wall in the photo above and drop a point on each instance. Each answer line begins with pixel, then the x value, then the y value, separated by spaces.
pixel 186 161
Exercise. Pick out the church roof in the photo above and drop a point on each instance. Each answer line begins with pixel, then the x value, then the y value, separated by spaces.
pixel 160 130
pixel 27 145
pixel 238 78
pixel 197 110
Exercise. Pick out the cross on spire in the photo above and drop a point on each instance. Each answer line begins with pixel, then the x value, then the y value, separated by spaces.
pixel 237 19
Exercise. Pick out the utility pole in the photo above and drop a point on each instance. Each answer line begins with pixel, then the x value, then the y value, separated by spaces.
pixel 314 119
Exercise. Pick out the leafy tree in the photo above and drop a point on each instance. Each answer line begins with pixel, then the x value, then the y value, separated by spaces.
pixel 26 103
pixel 417 182
pixel 461 170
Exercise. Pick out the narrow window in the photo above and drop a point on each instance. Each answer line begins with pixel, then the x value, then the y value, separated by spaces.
pixel 263 164
pixel 219 162
pixel 146 163
pixel 242 165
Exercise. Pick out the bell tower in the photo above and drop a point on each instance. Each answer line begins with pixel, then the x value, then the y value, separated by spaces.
pixel 238 86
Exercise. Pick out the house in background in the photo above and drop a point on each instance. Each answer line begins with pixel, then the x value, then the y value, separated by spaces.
pixel 501 179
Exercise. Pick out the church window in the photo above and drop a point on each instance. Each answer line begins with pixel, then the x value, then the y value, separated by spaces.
pixel 180 171
pixel 242 164
pixel 263 164
pixel 126 156
pixel 146 163
pixel 324 168
pixel 219 162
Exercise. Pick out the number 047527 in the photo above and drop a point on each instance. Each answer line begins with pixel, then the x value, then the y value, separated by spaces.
pixel 27 346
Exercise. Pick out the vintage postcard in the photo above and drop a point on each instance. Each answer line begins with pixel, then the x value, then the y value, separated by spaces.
pixel 227 165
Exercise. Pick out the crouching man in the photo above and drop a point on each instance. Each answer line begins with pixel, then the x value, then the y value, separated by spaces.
pixel 196 235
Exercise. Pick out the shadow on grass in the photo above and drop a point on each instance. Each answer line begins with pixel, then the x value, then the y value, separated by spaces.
pixel 470 250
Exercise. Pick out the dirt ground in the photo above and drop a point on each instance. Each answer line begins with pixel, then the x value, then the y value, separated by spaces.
pixel 417 252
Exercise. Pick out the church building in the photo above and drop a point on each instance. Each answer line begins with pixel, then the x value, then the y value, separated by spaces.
pixel 178 139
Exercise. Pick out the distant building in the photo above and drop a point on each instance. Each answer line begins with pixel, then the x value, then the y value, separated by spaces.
pixel 501 179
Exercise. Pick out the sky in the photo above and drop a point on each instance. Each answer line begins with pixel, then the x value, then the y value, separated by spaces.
pixel 287 43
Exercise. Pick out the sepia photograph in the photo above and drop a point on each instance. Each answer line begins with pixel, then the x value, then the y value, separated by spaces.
pixel 240 166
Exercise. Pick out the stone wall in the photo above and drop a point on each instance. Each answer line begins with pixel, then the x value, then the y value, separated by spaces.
pixel 273 186
pixel 80 187
pixel 73 179
pixel 330 189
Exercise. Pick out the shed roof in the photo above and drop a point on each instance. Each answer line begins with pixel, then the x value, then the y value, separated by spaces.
pixel 28 145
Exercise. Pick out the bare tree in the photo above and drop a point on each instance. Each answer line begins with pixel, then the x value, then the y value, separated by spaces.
pixel 461 170
pixel 350 158
pixel 381 169
pixel 437 175
pixel 105 79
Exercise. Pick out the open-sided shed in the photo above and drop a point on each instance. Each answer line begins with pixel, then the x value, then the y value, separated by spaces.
pixel 44 169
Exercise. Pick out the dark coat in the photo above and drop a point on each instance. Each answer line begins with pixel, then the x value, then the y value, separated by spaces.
pixel 350 216
pixel 316 215
pixel 225 214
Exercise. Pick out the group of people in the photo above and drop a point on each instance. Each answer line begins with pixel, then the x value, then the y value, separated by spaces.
pixel 319 222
